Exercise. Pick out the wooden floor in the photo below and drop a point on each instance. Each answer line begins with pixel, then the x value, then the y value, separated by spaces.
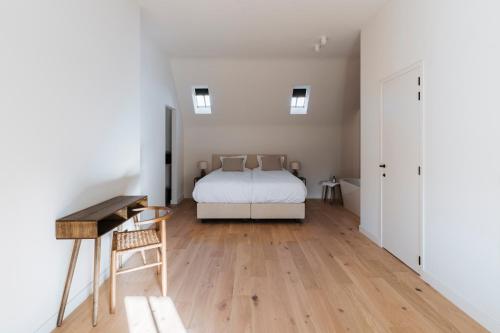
pixel 320 276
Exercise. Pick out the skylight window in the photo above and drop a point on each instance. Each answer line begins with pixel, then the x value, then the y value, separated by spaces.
pixel 201 100
pixel 299 100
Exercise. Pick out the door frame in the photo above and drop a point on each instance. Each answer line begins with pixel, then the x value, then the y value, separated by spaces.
pixel 420 66
pixel 174 167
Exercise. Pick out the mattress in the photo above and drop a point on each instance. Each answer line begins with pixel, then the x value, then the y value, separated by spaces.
pixel 277 187
pixel 224 187
pixel 250 186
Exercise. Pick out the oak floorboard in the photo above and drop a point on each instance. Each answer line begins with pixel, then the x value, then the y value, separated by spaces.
pixel 322 275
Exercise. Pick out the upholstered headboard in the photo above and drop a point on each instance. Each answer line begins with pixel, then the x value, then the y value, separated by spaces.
pixel 251 160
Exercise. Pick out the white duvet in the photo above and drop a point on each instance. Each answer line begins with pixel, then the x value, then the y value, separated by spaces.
pixel 277 186
pixel 250 186
pixel 224 187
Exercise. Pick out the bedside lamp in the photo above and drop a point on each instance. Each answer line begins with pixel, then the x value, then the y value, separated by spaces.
pixel 295 166
pixel 203 166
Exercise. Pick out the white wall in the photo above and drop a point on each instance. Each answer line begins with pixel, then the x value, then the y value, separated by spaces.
pixel 250 113
pixel 157 92
pixel 177 158
pixel 459 46
pixel 350 124
pixel 69 138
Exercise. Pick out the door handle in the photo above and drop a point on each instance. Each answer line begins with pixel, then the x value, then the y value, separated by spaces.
pixel 382 165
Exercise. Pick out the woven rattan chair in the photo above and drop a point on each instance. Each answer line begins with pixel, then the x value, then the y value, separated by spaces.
pixel 141 240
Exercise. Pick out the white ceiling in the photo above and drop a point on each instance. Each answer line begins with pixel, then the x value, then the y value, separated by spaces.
pixel 258 28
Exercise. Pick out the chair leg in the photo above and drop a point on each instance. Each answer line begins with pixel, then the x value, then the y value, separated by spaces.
pixel 112 289
pixel 164 272
pixel 163 230
pixel 158 259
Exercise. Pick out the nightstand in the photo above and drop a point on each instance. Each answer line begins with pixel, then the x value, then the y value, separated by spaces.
pixel 303 179
pixel 196 179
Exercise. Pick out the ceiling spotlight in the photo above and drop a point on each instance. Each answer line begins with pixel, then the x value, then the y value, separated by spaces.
pixel 322 40
pixel 317 47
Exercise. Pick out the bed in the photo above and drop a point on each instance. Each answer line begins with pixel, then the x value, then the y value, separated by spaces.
pixel 251 194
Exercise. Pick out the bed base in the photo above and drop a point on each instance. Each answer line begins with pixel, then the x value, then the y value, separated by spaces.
pixel 250 211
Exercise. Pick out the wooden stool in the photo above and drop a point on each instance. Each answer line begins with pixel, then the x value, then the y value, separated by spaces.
pixel 333 194
pixel 141 240
pixel 329 187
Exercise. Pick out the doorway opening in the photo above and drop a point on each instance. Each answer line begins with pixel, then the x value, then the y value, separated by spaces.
pixel 168 154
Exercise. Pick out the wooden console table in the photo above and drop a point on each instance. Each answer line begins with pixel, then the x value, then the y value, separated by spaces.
pixel 92 223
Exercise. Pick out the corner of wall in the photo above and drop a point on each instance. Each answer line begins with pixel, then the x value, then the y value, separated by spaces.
pixel 370 236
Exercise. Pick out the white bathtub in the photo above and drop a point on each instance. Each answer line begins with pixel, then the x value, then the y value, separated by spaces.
pixel 350 194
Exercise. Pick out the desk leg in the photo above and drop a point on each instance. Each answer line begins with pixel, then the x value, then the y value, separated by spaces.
pixel 69 278
pixel 97 268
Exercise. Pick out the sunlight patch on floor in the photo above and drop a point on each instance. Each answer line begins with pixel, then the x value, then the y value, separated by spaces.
pixel 152 315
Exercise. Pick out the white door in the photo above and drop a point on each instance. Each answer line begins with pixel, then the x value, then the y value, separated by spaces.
pixel 400 166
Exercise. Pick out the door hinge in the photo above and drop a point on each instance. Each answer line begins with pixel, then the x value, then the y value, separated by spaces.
pixel 419 81
pixel 419 261
pixel 419 171
pixel 419 95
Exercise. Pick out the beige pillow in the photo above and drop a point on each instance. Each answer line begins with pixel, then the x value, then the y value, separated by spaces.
pixel 232 164
pixel 259 159
pixel 271 163
pixel 244 157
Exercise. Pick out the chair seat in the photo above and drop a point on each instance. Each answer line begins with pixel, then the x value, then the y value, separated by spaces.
pixel 135 239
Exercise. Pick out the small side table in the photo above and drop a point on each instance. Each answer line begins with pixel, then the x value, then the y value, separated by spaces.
pixel 303 179
pixel 196 179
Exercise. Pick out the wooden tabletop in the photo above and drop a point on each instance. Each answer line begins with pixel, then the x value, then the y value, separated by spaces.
pixel 96 220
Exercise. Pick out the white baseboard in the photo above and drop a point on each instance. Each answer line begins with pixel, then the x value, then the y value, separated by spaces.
pixel 482 318
pixel 370 236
